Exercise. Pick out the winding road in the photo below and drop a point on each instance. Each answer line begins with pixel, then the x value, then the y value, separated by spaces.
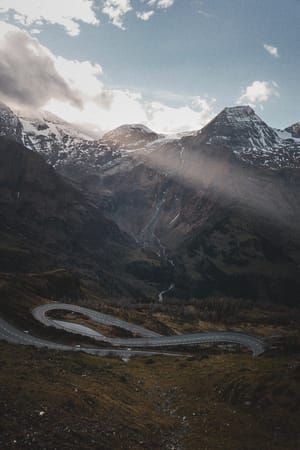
pixel 126 347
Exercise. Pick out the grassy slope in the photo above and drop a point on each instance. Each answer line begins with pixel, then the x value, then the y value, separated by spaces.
pixel 227 402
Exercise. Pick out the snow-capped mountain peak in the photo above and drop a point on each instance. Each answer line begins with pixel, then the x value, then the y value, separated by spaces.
pixel 251 139
pixel 132 135
pixel 238 128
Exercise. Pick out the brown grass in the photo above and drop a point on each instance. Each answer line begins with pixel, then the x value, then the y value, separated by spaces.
pixel 223 402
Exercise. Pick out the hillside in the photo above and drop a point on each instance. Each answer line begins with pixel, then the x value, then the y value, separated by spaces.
pixel 217 209
pixel 47 223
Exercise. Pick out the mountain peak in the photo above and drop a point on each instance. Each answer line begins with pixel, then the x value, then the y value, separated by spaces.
pixel 131 134
pixel 130 127
pixel 241 130
pixel 237 114
pixel 294 130
pixel 245 110
pixel 236 123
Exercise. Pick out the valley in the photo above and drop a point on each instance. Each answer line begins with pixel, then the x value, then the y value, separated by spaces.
pixel 194 204
pixel 149 225
pixel 155 267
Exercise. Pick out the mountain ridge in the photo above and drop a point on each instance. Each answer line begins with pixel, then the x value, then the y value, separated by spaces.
pixel 239 128
pixel 48 223
pixel 212 217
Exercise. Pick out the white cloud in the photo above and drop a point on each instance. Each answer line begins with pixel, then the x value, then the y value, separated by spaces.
pixel 116 10
pixel 130 107
pixel 66 13
pixel 162 4
pixel 168 119
pixel 205 14
pixel 144 15
pixel 258 92
pixel 203 104
pixel 123 107
pixel 35 31
pixel 34 14
pixel 33 77
pixel 273 51
pixel 155 4
pixel 82 76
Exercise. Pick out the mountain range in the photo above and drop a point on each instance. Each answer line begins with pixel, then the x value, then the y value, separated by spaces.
pixel 213 212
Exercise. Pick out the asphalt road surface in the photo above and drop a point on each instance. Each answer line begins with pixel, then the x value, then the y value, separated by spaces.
pixel 126 347
pixel 11 334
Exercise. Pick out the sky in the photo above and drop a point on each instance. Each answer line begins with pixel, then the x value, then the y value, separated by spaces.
pixel 169 64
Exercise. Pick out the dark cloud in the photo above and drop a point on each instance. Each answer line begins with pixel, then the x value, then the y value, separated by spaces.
pixel 28 75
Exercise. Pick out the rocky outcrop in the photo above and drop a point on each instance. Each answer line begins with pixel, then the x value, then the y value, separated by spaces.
pixel 294 130
pixel 10 125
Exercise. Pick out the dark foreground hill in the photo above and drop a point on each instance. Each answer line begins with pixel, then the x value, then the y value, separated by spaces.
pixel 47 223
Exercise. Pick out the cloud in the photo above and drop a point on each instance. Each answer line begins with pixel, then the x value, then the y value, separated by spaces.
pixel 29 76
pixel 258 92
pixel 61 12
pixel 167 119
pixel 34 14
pixel 144 15
pixel 206 14
pixel 273 51
pixel 155 5
pixel 162 4
pixel 116 10
pixel 34 78
pixel 81 76
pixel 124 106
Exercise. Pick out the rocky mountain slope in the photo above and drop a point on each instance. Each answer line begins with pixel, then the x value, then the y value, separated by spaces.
pixel 133 136
pixel 10 124
pixel 294 130
pixel 46 223
pixel 219 206
pixel 227 228
pixel 251 139
pixel 237 128
pixel 226 223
